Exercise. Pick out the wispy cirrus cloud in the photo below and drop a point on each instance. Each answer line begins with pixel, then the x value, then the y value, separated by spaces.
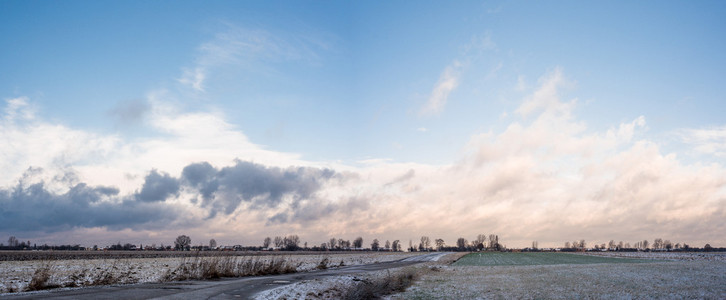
pixel 194 78
pixel 447 83
pixel 250 48
pixel 450 77
pixel 710 141
pixel 547 97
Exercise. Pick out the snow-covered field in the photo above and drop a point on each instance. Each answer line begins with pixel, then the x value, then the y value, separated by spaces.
pixel 689 276
pixel 711 256
pixel 16 275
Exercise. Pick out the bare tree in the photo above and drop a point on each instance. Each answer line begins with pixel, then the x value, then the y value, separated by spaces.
pixel 12 241
pixel 534 245
pixel 182 242
pixel 567 245
pixel 374 245
pixel 291 242
pixel 425 243
pixel 396 246
pixel 439 244
pixel 212 244
pixel 461 243
pixel 332 244
pixel 358 242
pixel 611 244
pixel 494 242
pixel 645 244
pixel 668 245
pixel 266 242
pixel 658 243
pixel 388 245
pixel 481 239
pixel 279 242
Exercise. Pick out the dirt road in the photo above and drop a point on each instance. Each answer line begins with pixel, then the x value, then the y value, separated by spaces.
pixel 228 288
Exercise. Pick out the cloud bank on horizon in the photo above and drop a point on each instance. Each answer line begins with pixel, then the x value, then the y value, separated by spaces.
pixel 186 157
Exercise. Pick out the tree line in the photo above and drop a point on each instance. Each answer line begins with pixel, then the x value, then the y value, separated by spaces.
pixel 293 242
pixel 658 244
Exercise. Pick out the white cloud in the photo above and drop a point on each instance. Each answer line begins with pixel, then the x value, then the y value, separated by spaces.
pixel 18 109
pixel 546 98
pixel 553 180
pixel 422 129
pixel 450 77
pixel 194 78
pixel 710 141
pixel 448 81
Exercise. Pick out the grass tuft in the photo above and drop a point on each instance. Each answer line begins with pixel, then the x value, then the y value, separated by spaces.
pixel 378 287
pixel 323 264
pixel 41 279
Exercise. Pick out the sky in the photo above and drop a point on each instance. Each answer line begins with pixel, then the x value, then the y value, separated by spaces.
pixel 138 121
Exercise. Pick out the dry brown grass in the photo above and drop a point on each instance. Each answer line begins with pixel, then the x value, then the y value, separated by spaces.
pixel 228 266
pixel 373 288
pixel 323 264
pixel 41 279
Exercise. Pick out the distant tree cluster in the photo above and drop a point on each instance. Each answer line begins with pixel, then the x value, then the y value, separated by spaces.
pixel 479 243
pixel 288 243
pixel 15 244
pixel 658 244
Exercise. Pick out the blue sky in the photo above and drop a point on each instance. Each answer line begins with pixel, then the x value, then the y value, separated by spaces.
pixel 374 89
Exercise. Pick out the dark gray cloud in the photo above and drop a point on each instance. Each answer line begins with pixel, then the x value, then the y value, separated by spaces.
pixel 202 177
pixel 35 207
pixel 157 187
pixel 278 218
pixel 225 189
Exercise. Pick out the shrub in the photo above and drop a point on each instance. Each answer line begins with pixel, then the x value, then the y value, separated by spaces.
pixel 41 279
pixel 323 264
pixel 377 287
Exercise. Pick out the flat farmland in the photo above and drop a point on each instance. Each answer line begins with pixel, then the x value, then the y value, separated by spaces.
pixel 573 276
pixel 537 258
